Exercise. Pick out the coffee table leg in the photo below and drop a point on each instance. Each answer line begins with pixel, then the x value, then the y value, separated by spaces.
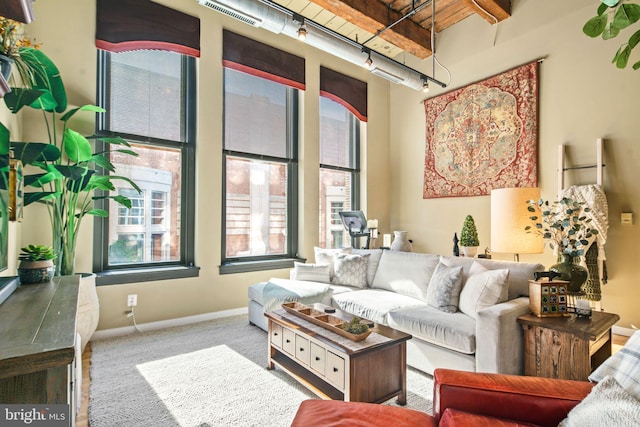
pixel 402 397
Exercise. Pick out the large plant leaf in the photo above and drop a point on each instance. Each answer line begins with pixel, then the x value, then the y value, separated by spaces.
pixel 103 162
pixel 610 32
pixel 20 97
pixel 82 184
pixel 4 140
pixel 595 26
pixel 47 78
pixel 72 172
pixel 39 196
pixel 76 147
pixel 87 107
pixel 622 57
pixel 626 15
pixel 97 212
pixel 40 179
pixel 31 152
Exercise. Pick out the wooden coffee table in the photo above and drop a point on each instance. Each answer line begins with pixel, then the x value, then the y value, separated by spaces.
pixel 333 367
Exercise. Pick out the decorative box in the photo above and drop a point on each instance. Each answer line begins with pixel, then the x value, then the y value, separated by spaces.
pixel 549 298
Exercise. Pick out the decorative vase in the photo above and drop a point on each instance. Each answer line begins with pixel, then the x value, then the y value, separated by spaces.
pixel 574 273
pixel 401 242
pixel 36 271
pixel 469 251
pixel 88 308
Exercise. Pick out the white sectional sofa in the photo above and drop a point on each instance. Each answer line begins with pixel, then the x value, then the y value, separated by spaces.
pixel 461 312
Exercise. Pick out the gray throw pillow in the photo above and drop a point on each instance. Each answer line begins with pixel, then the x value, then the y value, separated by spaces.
pixel 483 288
pixel 443 292
pixel 350 270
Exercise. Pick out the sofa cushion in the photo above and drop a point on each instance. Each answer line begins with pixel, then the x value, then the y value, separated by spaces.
pixel 443 292
pixel 325 256
pixel 455 331
pixel 350 270
pixel 374 260
pixel 373 304
pixel 452 417
pixel 405 273
pixel 483 288
pixel 519 272
pixel 312 272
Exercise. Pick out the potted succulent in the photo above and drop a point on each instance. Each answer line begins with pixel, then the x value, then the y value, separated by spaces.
pixel 469 237
pixel 36 264
pixel 567 229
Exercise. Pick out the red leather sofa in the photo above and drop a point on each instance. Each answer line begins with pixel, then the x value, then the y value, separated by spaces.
pixel 460 399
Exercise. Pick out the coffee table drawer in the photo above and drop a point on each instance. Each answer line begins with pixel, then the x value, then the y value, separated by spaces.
pixel 289 341
pixel 276 334
pixel 335 370
pixel 318 358
pixel 302 349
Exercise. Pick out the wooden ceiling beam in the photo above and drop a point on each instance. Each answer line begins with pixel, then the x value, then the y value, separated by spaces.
pixel 373 16
pixel 498 10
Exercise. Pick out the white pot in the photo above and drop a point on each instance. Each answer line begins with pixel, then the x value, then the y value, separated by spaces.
pixel 401 242
pixel 469 251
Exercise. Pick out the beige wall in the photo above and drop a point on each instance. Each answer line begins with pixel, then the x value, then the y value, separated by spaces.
pixel 71 46
pixel 582 97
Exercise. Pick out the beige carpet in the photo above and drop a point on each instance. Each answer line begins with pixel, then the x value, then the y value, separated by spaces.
pixel 203 375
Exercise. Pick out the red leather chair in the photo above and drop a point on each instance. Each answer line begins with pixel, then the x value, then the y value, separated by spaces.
pixel 460 399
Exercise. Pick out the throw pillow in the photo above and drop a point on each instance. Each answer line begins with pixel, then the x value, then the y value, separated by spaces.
pixel 608 404
pixel 312 272
pixel 483 289
pixel 624 366
pixel 374 259
pixel 350 270
pixel 325 256
pixel 443 292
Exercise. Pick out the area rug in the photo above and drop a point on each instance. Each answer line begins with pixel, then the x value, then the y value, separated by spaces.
pixel 206 374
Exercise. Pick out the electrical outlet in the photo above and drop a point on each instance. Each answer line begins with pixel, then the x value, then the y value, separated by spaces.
pixel 132 300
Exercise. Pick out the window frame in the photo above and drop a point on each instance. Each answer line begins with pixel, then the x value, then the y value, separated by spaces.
pixel 144 272
pixel 232 265
pixel 355 132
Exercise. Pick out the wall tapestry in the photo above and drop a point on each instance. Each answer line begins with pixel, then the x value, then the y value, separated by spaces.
pixel 483 136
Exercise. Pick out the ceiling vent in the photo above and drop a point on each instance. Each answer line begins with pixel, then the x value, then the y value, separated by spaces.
pixel 230 11
pixel 387 75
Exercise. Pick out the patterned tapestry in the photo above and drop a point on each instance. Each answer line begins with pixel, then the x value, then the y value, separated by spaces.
pixel 483 136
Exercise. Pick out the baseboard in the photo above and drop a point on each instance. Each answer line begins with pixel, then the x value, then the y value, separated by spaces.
pixel 162 324
pixel 619 330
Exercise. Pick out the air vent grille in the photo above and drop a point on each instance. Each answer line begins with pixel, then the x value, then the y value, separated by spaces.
pixel 387 75
pixel 233 13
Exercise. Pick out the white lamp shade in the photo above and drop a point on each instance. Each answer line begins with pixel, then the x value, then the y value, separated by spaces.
pixel 509 217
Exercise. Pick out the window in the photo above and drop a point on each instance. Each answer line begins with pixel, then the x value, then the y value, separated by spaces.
pixel 260 163
pixel 339 170
pixel 149 96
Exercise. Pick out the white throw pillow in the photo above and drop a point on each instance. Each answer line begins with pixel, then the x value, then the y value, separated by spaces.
pixel 443 292
pixel 325 256
pixel 608 404
pixel 350 270
pixel 624 366
pixel 312 272
pixel 483 288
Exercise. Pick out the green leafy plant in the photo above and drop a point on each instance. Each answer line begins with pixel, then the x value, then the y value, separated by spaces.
pixel 354 326
pixel 469 233
pixel 37 253
pixel 67 181
pixel 563 224
pixel 612 17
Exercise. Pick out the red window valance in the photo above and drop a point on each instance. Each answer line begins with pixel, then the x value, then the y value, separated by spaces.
pixel 347 91
pixel 123 25
pixel 252 57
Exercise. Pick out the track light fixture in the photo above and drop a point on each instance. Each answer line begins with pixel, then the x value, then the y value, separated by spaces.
pixel 368 63
pixel 302 29
pixel 425 84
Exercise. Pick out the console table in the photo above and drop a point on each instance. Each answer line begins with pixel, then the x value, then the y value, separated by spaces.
pixel 373 370
pixel 38 343
pixel 566 347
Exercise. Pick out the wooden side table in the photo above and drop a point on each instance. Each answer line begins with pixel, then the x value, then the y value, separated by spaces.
pixel 566 347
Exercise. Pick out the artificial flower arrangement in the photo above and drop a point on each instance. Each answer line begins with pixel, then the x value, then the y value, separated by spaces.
pixel 12 41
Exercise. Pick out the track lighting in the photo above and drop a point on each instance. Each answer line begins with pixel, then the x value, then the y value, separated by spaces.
pixel 302 29
pixel 425 84
pixel 367 62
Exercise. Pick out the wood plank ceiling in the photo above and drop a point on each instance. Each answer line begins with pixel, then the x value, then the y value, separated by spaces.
pixel 361 20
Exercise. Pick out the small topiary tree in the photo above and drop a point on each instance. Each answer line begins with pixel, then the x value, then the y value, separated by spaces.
pixel 469 234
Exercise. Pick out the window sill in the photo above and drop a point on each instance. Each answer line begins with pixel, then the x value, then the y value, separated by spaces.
pixel 119 277
pixel 248 266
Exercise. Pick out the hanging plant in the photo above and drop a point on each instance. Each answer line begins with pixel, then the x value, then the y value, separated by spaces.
pixel 612 17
